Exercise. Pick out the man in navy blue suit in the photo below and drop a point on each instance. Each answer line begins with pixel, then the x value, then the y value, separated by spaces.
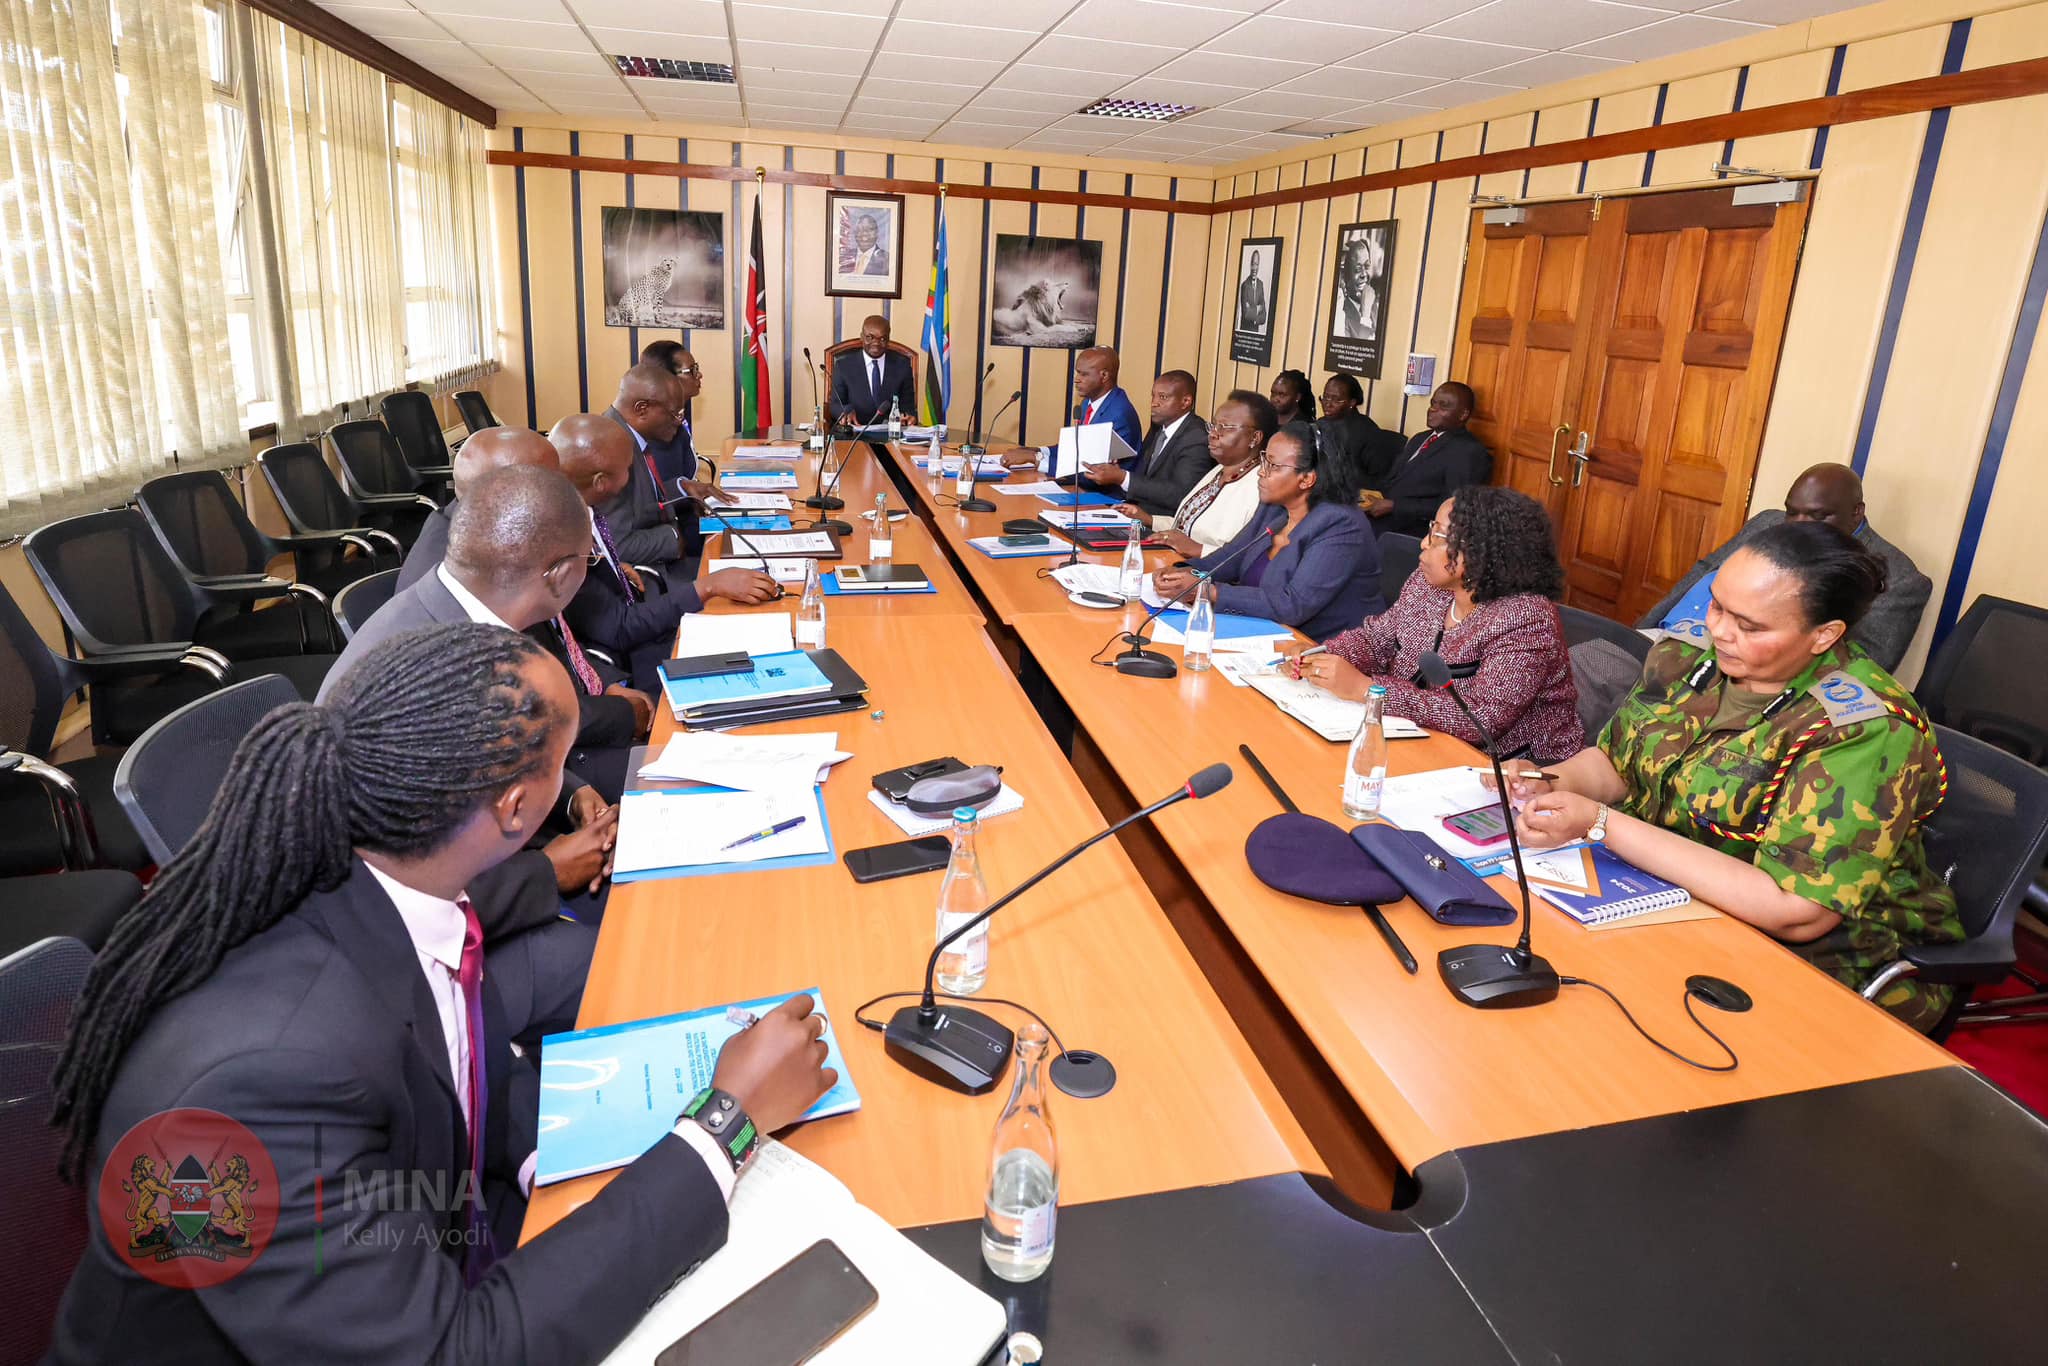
pixel 864 381
pixel 1098 399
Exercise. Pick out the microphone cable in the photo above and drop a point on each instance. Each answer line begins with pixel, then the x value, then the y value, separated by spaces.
pixel 1729 1066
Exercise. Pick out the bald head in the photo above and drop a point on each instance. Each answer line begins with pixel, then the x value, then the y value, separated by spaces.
pixel 596 454
pixel 649 398
pixel 519 542
pixel 495 448
pixel 1828 493
pixel 1094 372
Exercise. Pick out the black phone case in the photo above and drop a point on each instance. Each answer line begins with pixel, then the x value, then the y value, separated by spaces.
pixel 709 666
pixel 895 784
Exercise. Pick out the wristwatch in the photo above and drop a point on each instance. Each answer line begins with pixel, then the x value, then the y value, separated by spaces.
pixel 1597 833
pixel 719 1115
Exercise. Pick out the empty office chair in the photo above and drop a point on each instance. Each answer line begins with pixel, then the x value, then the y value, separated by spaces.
pixel 1987 841
pixel 416 427
pixel 1581 626
pixel 314 501
pixel 1986 679
pixel 118 593
pixel 1399 554
pixel 358 602
pixel 38 987
pixel 167 779
pixel 373 466
pixel 476 411
pixel 207 531
pixel 83 905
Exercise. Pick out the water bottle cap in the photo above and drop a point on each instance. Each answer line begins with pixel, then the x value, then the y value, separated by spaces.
pixel 964 814
pixel 1377 690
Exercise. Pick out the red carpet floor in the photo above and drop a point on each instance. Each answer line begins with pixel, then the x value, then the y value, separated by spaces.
pixel 2013 1055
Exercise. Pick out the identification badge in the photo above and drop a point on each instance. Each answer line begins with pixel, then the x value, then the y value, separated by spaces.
pixel 1846 700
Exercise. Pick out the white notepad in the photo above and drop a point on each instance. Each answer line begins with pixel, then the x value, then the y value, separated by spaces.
pixel 756 633
pixel 910 823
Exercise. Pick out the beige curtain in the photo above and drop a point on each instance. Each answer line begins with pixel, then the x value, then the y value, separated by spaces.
pixel 444 213
pixel 113 323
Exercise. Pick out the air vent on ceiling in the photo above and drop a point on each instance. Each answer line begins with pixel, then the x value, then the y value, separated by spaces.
pixel 1149 110
pixel 667 69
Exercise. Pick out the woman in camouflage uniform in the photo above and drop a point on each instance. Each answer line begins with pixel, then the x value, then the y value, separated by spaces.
pixel 1780 775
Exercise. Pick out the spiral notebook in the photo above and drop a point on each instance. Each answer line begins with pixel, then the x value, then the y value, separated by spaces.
pixel 1615 890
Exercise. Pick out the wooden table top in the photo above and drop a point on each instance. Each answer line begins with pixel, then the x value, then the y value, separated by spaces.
pixel 1090 950
pixel 1432 1074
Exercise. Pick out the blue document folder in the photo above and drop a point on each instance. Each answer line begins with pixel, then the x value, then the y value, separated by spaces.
pixel 1089 499
pixel 789 673
pixel 766 521
pixel 1228 625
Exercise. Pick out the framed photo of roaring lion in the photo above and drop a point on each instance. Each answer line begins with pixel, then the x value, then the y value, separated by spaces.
pixel 664 268
pixel 864 250
pixel 1044 292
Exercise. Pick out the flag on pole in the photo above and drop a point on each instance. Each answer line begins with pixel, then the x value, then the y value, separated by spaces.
pixel 938 331
pixel 757 408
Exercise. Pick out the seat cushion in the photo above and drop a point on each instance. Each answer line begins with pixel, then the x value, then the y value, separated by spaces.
pixel 122 711
pixel 28 834
pixel 266 632
pixel 82 906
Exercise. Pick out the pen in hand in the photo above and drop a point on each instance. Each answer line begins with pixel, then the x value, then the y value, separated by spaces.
pixel 1311 650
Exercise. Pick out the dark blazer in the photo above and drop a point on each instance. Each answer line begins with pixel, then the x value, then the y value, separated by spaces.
pixel 1887 629
pixel 1371 448
pixel 655 525
pixel 1326 578
pixel 430 547
pixel 1420 480
pixel 636 634
pixel 853 392
pixel 1162 475
pixel 320 1036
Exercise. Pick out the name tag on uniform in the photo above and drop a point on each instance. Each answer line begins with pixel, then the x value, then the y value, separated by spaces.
pixel 1845 699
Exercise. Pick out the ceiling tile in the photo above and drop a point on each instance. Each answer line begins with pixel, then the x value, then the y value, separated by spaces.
pixel 977 134
pixel 621 103
pixel 1267 142
pixel 1200 94
pixel 545 11
pixel 694 109
pixel 831 61
pixel 434 54
pixel 1326 128
pixel 766 78
pixel 1342 82
pixel 911 66
pixel 556 83
pixel 889 123
pixel 1233 118
pixel 1774 11
pixel 826 126
pixel 387 23
pixel 1300 40
pixel 1451 94
pixel 1146 21
pixel 770 101
pixel 521 59
pixel 1098 54
pixel 1547 69
pixel 1076 85
pixel 681 47
pixel 1422 54
pixel 1294 106
pixel 676 16
pixel 914 109
pixel 1242 73
pixel 1006 118
pixel 957 40
pixel 1546 24
pixel 723 97
pixel 1034 101
pixel 1682 33
pixel 518 33
pixel 773 23
pixel 487 85
pixel 917 90
pixel 1020 14
pixel 1401 16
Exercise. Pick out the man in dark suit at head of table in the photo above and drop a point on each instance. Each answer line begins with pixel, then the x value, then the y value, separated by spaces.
pixel 1435 464
pixel 865 381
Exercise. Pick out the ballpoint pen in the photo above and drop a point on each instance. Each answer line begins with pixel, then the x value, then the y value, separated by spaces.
pixel 792 823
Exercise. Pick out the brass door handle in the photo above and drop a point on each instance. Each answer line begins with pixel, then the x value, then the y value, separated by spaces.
pixel 1562 431
pixel 1580 458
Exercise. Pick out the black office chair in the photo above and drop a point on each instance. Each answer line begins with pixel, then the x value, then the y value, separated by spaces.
pixel 416 427
pixel 373 466
pixel 1581 626
pixel 167 779
pixel 314 501
pixel 1399 554
pixel 1986 679
pixel 1986 842
pixel 82 905
pixel 358 602
pixel 38 987
pixel 118 592
pixel 476 411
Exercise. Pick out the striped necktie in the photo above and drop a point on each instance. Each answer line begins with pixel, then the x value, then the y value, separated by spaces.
pixel 611 550
pixel 579 663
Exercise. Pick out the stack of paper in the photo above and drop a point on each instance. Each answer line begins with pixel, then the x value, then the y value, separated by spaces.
pixel 1329 716
pixel 747 500
pixel 755 633
pixel 1421 801
pixel 767 452
pixel 1038 488
pixel 754 763
pixel 757 479
pixel 1234 633
pixel 700 829
pixel 993 547
pixel 783 543
pixel 780 570
pixel 1079 577
pixel 985 467
pixel 1086 517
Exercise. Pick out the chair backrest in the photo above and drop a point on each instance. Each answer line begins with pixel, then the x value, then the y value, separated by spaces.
pixel 311 498
pixel 38 987
pixel 202 525
pixel 112 583
pixel 1399 554
pixel 476 411
pixel 1991 833
pixel 417 428
pixel 838 349
pixel 358 602
pixel 167 779
pixel 1985 680
pixel 371 458
pixel 1581 626
pixel 32 687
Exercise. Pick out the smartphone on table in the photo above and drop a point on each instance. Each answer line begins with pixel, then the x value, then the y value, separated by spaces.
pixel 1481 825
pixel 880 862
pixel 786 1320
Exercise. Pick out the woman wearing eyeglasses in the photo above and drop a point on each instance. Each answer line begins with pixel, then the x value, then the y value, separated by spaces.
pixel 1482 598
pixel 1225 498
pixel 1307 558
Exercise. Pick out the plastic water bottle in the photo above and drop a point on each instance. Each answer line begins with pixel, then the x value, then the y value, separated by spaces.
pixel 881 541
pixel 963 482
pixel 1199 640
pixel 810 612
pixel 1018 1217
pixel 934 464
pixel 1365 769
pixel 963 967
pixel 895 422
pixel 1131 579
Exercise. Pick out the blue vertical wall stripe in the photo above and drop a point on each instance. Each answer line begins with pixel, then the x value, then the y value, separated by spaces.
pixel 1656 121
pixel 1909 253
pixel 1422 270
pixel 683 201
pixel 632 333
pixel 1820 134
pixel 1741 88
pixel 1393 202
pixel 1535 126
pixel 1123 268
pixel 888 310
pixel 1080 233
pixel 1165 279
pixel 988 177
pixel 525 276
pixel 576 255
pixel 2017 354
pixel 788 290
pixel 1592 122
pixel 1300 213
pixel 1024 360
pixel 1323 257
pixel 735 286
pixel 831 246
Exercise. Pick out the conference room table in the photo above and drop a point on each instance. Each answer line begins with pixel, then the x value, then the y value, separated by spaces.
pixel 1310 1154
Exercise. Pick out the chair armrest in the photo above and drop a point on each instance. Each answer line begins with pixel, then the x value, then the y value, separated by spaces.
pixel 76 838
pixel 145 660
pixel 315 540
pixel 243 587
pixel 712 465
pixel 398 500
pixel 648 571
pixel 1974 962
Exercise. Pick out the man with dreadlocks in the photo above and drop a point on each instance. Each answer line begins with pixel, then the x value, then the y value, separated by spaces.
pixel 308 966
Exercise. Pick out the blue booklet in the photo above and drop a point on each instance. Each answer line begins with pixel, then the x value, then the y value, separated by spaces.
pixel 1089 499
pixel 608 1095
pixel 1615 889
pixel 737 522
pixel 1229 626
pixel 790 673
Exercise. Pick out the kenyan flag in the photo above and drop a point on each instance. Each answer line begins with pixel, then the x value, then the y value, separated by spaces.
pixel 757 409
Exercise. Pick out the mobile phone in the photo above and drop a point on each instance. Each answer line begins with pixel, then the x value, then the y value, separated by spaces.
pixel 1480 825
pixel 880 862
pixel 1035 538
pixel 786 1320
pixel 709 666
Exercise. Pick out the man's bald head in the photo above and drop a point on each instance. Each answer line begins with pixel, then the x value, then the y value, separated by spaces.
pixel 649 398
pixel 1094 372
pixel 596 455
pixel 519 541
pixel 1828 493
pixel 494 448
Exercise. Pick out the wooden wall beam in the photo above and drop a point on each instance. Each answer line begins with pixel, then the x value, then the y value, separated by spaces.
pixel 314 22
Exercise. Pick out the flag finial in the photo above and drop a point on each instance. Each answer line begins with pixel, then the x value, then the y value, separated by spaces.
pixel 760 175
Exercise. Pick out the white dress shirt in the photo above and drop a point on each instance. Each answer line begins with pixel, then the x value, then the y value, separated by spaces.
pixel 469 602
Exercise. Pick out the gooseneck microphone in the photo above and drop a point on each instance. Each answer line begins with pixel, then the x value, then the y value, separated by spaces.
pixel 817 438
pixel 973 444
pixel 965 1050
pixel 1004 409
pixel 1487 975
pixel 824 499
pixel 1149 663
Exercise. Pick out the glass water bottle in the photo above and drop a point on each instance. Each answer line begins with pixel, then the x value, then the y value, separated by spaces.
pixel 1022 1205
pixel 881 541
pixel 1199 644
pixel 1365 769
pixel 810 612
pixel 963 967
pixel 1131 579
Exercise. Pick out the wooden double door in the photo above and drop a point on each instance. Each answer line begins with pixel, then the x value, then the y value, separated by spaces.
pixel 1622 352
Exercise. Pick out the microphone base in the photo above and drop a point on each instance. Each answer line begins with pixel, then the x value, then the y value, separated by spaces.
pixel 971 448
pixel 1492 977
pixel 828 503
pixel 1146 664
pixel 974 505
pixel 1082 1074
pixel 961 1050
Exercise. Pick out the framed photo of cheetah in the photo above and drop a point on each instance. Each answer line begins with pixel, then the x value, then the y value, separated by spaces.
pixel 864 256
pixel 664 268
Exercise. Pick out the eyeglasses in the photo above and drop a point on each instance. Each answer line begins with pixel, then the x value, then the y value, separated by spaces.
pixel 689 371
pixel 559 567
pixel 1438 534
pixel 1267 466
pixel 1230 427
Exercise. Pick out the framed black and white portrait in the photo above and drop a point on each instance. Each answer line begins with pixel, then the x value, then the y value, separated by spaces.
pixel 864 256
pixel 1258 280
pixel 1044 292
pixel 1358 298
pixel 664 268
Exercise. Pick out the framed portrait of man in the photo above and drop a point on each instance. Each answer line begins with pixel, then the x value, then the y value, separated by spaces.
pixel 1252 300
pixel 1358 298
pixel 864 245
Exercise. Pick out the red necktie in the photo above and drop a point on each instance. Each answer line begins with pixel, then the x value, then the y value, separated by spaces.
pixel 479 1253
pixel 1088 413
pixel 579 663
